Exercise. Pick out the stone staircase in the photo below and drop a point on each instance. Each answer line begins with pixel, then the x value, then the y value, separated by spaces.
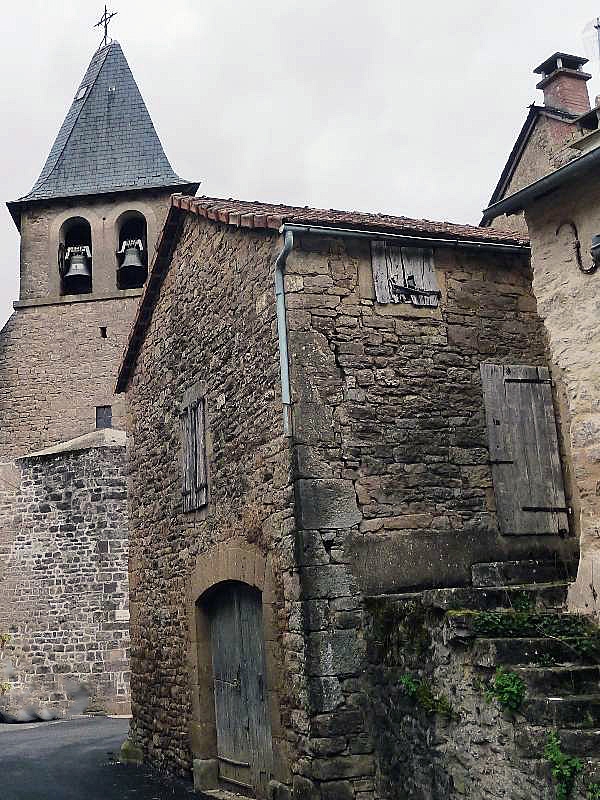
pixel 522 627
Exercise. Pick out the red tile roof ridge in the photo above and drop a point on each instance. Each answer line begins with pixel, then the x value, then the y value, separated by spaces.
pixel 257 214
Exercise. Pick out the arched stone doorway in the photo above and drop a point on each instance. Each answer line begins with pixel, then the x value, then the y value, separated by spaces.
pixel 234 664
pixel 243 727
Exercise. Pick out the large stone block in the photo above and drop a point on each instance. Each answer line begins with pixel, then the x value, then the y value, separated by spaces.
pixel 326 503
pixel 333 653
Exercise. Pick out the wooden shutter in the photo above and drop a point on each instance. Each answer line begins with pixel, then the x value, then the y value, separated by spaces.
pixel 194 470
pixel 524 454
pixel 398 270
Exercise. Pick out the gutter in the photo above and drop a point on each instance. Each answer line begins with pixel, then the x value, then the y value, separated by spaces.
pixel 288 230
pixel 519 200
pixel 284 363
pixel 403 239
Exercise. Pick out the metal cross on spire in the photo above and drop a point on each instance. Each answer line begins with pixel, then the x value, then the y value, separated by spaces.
pixel 104 20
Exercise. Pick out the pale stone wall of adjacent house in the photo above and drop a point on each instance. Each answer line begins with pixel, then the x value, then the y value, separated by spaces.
pixel 569 304
pixel 63 588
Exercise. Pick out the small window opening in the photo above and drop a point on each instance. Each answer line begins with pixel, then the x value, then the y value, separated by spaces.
pixel 103 417
pixel 102 332
pixel 75 256
pixel 132 255
pixel 81 93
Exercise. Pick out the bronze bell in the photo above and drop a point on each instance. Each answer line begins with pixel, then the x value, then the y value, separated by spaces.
pixel 132 272
pixel 78 277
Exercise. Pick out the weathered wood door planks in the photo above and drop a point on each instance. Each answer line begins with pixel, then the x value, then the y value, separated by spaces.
pixel 524 454
pixel 244 746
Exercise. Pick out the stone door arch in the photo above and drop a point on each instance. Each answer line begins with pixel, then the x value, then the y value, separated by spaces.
pixel 231 624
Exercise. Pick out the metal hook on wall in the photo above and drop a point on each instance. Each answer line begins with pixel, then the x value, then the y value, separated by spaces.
pixel 577 247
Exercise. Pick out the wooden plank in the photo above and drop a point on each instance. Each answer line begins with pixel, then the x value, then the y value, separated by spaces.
pixel 200 482
pixel 254 687
pixel 522 430
pixel 419 272
pixel 380 272
pixel 500 443
pixel 232 721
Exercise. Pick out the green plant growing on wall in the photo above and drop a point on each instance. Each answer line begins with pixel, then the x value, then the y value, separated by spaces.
pixel 508 689
pixel 421 693
pixel 593 791
pixel 565 769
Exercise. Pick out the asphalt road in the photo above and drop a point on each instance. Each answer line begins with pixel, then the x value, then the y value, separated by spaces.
pixel 76 760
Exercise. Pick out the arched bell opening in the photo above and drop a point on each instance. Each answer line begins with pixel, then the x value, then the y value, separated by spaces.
pixel 75 256
pixel 132 252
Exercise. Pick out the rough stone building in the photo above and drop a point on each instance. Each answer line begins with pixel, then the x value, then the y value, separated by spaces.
pixel 87 228
pixel 351 503
pixel 543 143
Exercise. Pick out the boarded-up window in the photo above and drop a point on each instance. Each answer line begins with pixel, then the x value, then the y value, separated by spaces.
pixel 194 462
pixel 524 454
pixel 404 274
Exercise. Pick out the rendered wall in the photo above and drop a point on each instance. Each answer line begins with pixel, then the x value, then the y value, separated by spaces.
pixel 568 302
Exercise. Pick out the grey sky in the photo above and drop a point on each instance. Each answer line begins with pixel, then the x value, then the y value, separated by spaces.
pixel 407 108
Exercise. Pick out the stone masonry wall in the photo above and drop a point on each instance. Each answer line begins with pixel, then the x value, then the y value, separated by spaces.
pixel 393 482
pixel 392 487
pixel 215 322
pixel 55 368
pixel 568 302
pixel 63 593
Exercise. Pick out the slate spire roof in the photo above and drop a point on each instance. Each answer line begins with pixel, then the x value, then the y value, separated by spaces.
pixel 107 142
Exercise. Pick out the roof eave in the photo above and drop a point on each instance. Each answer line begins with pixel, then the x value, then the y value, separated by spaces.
pixel 524 197
pixel 16 207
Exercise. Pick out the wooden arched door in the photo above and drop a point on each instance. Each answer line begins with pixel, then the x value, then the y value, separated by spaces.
pixel 244 746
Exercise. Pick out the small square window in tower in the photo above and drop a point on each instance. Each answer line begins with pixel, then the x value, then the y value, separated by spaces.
pixel 404 274
pixel 194 460
pixel 103 417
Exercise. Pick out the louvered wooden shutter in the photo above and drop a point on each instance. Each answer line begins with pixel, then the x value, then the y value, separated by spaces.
pixel 404 274
pixel 194 472
pixel 524 454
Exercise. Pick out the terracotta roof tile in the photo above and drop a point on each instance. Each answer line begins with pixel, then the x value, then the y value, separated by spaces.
pixel 252 214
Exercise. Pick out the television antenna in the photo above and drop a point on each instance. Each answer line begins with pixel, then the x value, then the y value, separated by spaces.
pixel 591 40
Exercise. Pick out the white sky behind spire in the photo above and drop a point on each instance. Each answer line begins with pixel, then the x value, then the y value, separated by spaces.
pixel 388 106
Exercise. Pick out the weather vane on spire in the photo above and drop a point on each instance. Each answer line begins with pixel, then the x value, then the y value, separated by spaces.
pixel 104 20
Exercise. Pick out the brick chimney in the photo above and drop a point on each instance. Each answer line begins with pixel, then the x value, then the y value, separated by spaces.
pixel 564 83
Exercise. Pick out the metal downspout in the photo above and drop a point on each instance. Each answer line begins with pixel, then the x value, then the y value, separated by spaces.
pixel 284 364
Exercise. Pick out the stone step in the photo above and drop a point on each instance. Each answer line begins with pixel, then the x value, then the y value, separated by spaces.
pixel 582 711
pixel 507 623
pixel 539 597
pixel 535 651
pixel 560 680
pixel 531 741
pixel 511 573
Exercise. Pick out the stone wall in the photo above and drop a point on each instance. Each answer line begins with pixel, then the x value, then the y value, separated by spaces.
pixel 55 368
pixel 568 302
pixel 40 229
pixel 63 593
pixel 387 486
pixel 394 488
pixel 214 322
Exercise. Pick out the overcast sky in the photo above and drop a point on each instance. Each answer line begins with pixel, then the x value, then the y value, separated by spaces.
pixel 376 105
